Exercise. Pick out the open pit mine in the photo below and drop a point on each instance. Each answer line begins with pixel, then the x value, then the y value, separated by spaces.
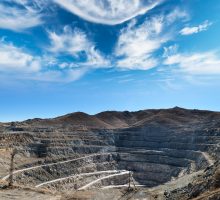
pixel 144 155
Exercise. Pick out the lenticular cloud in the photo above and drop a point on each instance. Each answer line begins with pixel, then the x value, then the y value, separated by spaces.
pixel 110 12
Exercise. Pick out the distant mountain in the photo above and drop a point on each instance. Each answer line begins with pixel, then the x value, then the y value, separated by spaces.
pixel 115 120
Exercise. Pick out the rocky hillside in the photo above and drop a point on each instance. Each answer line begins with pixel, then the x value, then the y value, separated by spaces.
pixel 115 120
pixel 80 152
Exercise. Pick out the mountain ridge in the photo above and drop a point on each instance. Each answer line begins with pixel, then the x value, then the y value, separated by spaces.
pixel 126 119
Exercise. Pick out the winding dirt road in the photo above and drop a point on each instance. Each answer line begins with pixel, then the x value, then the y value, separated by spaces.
pixel 82 174
pixel 55 163
pixel 103 178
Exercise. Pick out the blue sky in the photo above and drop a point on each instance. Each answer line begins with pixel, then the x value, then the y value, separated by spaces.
pixel 62 56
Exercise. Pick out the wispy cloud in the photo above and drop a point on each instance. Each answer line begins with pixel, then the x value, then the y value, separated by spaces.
pixel 17 63
pixel 176 14
pixel 196 29
pixel 75 43
pixel 138 43
pixel 205 63
pixel 108 12
pixel 170 50
pixel 16 59
pixel 18 15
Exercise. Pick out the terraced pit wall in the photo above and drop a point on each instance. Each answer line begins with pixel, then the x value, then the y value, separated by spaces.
pixel 154 154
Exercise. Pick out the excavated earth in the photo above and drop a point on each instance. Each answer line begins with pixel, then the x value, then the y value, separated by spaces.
pixel 166 154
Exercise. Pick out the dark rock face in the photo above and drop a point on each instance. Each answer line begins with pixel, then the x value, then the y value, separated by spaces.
pixel 156 145
pixel 206 186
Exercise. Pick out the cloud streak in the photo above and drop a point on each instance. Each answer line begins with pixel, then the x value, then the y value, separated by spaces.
pixel 75 43
pixel 110 12
pixel 137 44
pixel 16 59
pixel 196 29
pixel 18 15
pixel 206 63
pixel 18 64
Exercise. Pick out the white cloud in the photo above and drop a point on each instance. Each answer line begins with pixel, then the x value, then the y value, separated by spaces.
pixel 108 12
pixel 74 42
pixel 196 29
pixel 207 63
pixel 18 15
pixel 136 44
pixel 70 41
pixel 16 59
pixel 177 13
pixel 16 63
pixel 171 50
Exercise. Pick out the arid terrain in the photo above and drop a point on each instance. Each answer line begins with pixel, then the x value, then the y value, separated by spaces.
pixel 163 154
